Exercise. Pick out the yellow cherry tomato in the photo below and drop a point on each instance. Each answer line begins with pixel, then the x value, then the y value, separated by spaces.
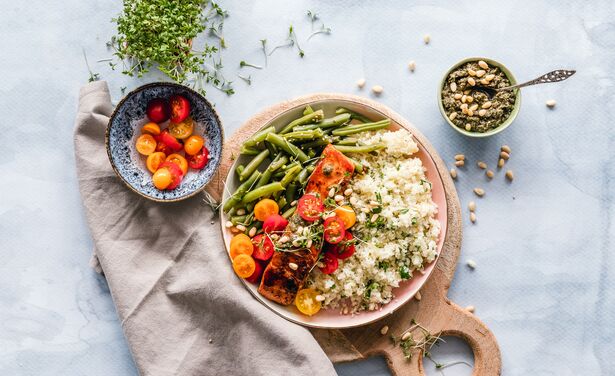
pixel 151 128
pixel 241 244
pixel 179 160
pixel 244 265
pixel 265 208
pixel 193 144
pixel 347 215
pixel 146 144
pixel 306 302
pixel 154 161
pixel 182 130
pixel 162 178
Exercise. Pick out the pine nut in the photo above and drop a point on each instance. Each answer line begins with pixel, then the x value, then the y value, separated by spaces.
pixel 471 81
pixel 504 155
pixel 464 98
pixel 406 336
pixel 320 298
pixel 482 112
pixel 489 174
pixel 509 175
pixel 412 65
pixel 293 203
pixel 426 38
pixel 377 89
pixel 481 165
pixel 241 228
pixel 472 206
pixel 482 64
pixel 460 157
pixel 234 230
pixel 474 107
pixel 331 192
pixel 467 92
pixel 551 103
pixel 283 239
pixel 464 111
pixel 453 87
pixel 364 210
pixel 459 163
pixel 339 198
pixel 348 192
pixel 464 106
pixel 489 77
pixel 296 243
pixel 384 330
pixel 471 264
pixel 469 99
pixel 452 116
pixel 480 73
pixel 374 218
pixel 228 224
pixel 501 163
pixel 486 105
pixel 473 217
pixel 453 173
pixel 241 211
pixel 479 192
pixel 309 243
pixel 505 148
pixel 484 81
pixel 418 296
pixel 252 232
pixel 293 266
pixel 374 203
pixel 275 237
pixel 470 308
pixel 470 112
pixel 361 83
pixel 458 96
pixel 468 127
pixel 471 72
pixel 353 201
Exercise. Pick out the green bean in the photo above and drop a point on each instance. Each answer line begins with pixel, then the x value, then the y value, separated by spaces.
pixel 304 135
pixel 238 219
pixel 355 115
pixel 272 149
pixel 239 169
pixel 315 116
pixel 303 176
pixel 358 167
pixel 267 174
pixel 282 201
pixel 360 149
pixel 236 197
pixel 291 165
pixel 290 175
pixel 250 206
pixel 290 192
pixel 278 175
pixel 335 121
pixel 308 110
pixel 279 161
pixel 311 153
pixel 289 212
pixel 358 128
pixel 258 137
pixel 249 151
pixel 288 147
pixel 316 143
pixel 259 192
pixel 347 141
pixel 253 165
pixel 311 168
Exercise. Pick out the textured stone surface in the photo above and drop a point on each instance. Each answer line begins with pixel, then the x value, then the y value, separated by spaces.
pixel 543 243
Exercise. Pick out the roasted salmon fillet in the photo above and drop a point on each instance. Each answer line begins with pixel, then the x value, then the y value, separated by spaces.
pixel 280 282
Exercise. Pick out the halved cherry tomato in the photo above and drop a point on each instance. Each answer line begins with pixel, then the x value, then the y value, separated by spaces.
pixel 306 302
pixel 193 144
pixel 241 244
pixel 162 147
pixel 199 160
pixel 310 207
pixel 182 130
pixel 274 223
pixel 151 128
pixel 158 110
pixel 146 144
pixel 334 230
pixel 330 262
pixel 179 160
pixel 170 141
pixel 258 273
pixel 345 248
pixel 154 161
pixel 265 208
pixel 347 216
pixel 180 108
pixel 176 174
pixel 162 178
pixel 263 247
pixel 244 265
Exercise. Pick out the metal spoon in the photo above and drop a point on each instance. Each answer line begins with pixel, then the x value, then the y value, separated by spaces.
pixel 555 76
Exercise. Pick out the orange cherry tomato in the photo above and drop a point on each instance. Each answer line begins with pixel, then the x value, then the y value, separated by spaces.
pixel 244 265
pixel 182 130
pixel 306 302
pixel 265 208
pixel 154 161
pixel 193 144
pixel 162 178
pixel 179 160
pixel 146 144
pixel 347 215
pixel 241 244
pixel 151 128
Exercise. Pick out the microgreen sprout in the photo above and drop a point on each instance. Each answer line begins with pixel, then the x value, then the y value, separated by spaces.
pixel 323 30
pixel 246 79
pixel 246 64
pixel 93 76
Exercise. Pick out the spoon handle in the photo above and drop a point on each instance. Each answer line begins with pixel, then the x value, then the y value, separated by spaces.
pixel 555 76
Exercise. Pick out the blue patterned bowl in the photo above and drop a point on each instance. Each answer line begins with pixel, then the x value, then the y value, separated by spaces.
pixel 125 126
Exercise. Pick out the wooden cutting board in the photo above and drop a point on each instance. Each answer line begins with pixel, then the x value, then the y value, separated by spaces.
pixel 434 311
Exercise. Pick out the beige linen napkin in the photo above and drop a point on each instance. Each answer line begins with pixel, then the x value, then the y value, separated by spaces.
pixel 182 309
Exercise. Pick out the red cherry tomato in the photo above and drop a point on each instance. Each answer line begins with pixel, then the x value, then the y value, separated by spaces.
pixel 158 110
pixel 199 160
pixel 180 108
pixel 345 248
pixel 258 272
pixel 274 222
pixel 334 230
pixel 176 174
pixel 330 262
pixel 263 247
pixel 310 207
pixel 170 141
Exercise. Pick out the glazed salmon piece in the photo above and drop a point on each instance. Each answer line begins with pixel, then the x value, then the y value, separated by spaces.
pixel 280 283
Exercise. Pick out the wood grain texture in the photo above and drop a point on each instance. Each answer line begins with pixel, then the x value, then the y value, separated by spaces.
pixel 434 311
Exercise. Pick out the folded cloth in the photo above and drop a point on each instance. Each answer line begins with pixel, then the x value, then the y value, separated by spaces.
pixel 182 309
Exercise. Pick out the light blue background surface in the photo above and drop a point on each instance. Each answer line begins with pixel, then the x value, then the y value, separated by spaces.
pixel 543 244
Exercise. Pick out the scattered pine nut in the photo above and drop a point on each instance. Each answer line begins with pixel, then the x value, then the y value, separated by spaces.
pixel 374 218
pixel 453 87
pixel 551 103
pixel 470 308
pixel 468 127
pixel 504 155
pixel 406 336
pixel 234 230
pixel 460 157
pixel 471 72
pixel 320 298
pixel 293 266
pixel 479 192
pixel 482 64
pixel 293 203
pixel 283 239
pixel 469 99
pixel 426 38
pixel 308 244
pixel 473 217
pixel 489 174
pixel 481 165
pixel 418 296
pixel 480 73
pixel 361 83
pixel 501 163
pixel 459 163
pixel 458 96
pixel 384 330
pixel 228 224
pixel 377 89
pixel 241 211
pixel 331 192
pixel 470 112
pixel 453 173
pixel 452 116
pixel 505 148
pixel 489 77
pixel 482 112
pixel 509 175
pixel 412 65
pixel 338 198
pixel 471 81
pixel 471 264
pixel 252 232
pixel 472 206
pixel 486 105
pixel 348 192
pixel 484 81
pixel 241 228
pixel 473 107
